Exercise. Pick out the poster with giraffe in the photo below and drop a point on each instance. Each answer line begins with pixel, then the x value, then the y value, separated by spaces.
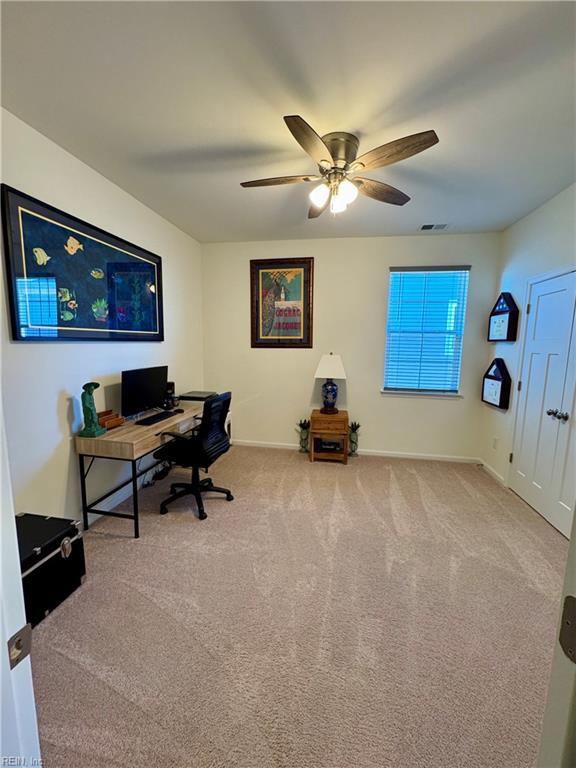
pixel 281 302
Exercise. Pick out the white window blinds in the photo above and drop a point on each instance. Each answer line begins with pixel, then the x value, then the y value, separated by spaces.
pixel 426 315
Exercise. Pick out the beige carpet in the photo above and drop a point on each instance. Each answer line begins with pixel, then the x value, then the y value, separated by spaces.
pixel 385 613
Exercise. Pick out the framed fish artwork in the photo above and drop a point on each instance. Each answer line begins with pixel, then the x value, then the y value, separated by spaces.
pixel 71 281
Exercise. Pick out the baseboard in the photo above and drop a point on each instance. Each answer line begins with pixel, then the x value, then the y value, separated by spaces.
pixel 495 475
pixel 122 495
pixel 370 452
pixel 258 444
pixel 420 456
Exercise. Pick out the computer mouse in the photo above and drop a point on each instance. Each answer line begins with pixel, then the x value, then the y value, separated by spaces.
pixel 178 410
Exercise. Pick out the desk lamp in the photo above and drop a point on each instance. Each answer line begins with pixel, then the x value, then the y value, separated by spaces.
pixel 330 367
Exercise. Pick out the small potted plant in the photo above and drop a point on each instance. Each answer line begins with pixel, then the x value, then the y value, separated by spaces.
pixel 100 310
pixel 304 427
pixel 353 430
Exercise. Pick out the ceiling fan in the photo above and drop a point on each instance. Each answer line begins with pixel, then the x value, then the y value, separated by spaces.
pixel 336 157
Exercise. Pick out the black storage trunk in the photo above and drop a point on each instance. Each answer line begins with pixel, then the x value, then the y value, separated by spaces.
pixel 52 562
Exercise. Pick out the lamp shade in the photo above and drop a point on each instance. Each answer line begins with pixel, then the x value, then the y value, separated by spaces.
pixel 330 367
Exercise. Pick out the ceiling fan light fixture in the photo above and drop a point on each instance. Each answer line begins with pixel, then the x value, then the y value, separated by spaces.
pixel 337 204
pixel 347 191
pixel 319 195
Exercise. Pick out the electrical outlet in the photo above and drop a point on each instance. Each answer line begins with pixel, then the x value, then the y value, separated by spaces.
pixel 495 441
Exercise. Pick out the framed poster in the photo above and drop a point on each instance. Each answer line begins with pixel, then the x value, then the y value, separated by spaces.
pixel 281 302
pixel 69 280
pixel 503 322
pixel 496 385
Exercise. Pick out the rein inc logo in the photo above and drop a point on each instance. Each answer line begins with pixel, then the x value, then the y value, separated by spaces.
pixel 23 762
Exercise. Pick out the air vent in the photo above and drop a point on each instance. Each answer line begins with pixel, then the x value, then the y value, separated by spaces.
pixel 433 226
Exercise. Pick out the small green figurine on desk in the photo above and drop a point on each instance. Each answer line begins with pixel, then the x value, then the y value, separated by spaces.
pixel 92 427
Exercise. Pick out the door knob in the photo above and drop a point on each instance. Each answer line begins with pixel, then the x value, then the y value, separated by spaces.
pixel 563 416
pixel 552 412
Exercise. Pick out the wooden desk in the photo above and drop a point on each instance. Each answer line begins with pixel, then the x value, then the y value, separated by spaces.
pixel 129 442
pixel 331 428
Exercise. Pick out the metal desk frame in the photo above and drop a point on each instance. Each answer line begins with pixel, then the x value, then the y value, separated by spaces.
pixel 170 424
pixel 136 473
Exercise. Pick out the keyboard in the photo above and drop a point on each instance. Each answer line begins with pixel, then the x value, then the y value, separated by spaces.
pixel 154 419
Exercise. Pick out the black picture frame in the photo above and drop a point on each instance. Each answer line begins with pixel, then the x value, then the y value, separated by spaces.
pixel 68 280
pixel 286 282
pixel 503 320
pixel 496 385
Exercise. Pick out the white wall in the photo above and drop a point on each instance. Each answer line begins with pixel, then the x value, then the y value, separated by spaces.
pixel 42 381
pixel 542 242
pixel 274 388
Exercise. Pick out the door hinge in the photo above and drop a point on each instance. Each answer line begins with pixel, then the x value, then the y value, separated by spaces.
pixel 519 386
pixel 528 309
pixel 510 457
pixel 568 628
pixel 19 645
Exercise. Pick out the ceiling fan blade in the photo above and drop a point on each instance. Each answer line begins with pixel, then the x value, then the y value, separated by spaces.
pixel 395 151
pixel 314 211
pixel 380 191
pixel 309 140
pixel 278 180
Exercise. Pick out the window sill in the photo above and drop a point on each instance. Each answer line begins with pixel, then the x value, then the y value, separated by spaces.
pixel 433 395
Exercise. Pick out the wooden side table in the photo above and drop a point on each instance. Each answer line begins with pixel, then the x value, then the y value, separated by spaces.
pixel 329 436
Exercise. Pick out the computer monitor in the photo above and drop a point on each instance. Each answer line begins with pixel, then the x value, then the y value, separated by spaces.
pixel 143 389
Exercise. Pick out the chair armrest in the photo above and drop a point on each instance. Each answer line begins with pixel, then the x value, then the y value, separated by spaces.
pixel 176 435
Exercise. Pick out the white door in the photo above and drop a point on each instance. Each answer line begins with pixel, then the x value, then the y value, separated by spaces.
pixel 19 732
pixel 558 739
pixel 544 455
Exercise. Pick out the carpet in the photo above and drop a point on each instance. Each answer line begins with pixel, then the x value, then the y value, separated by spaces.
pixel 388 613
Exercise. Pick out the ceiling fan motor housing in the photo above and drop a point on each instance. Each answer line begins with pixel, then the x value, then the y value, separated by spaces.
pixel 343 147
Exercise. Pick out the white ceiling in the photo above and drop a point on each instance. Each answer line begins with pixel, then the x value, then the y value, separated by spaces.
pixel 179 102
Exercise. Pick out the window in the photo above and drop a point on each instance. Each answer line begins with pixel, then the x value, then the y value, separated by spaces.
pixel 426 314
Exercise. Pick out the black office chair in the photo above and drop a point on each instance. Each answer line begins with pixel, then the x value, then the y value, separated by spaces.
pixel 209 441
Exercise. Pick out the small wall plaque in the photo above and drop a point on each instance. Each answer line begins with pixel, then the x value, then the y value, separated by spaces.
pixel 503 323
pixel 496 385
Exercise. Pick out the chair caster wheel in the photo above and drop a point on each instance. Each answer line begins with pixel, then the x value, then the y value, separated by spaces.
pixel 229 497
pixel 202 515
pixel 163 510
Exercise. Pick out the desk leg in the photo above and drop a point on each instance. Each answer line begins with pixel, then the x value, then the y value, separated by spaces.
pixel 83 492
pixel 135 499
